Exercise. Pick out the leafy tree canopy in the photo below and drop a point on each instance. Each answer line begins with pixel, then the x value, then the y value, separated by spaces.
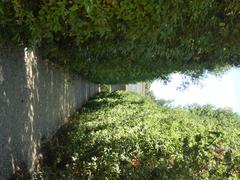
pixel 116 41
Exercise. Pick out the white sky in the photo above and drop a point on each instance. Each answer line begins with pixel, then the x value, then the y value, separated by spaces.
pixel 223 91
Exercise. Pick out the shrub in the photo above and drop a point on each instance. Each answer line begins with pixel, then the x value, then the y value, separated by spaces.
pixel 118 41
pixel 122 135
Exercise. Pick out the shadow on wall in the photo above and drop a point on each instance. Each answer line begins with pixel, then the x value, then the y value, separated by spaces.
pixel 36 97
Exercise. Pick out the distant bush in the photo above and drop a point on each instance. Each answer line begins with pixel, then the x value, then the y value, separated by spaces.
pixel 105 88
pixel 122 135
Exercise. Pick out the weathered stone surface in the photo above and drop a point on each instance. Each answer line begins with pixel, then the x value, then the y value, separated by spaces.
pixel 36 97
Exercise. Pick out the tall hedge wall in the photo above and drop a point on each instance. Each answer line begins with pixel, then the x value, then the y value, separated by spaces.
pixel 126 40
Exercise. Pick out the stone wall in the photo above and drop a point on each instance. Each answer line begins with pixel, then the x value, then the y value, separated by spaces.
pixel 116 87
pixel 36 97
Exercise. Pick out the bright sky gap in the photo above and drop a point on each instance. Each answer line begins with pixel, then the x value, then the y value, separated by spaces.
pixel 222 91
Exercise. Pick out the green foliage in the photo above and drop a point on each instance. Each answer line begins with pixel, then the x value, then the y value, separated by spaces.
pixel 105 88
pixel 148 91
pixel 122 135
pixel 113 41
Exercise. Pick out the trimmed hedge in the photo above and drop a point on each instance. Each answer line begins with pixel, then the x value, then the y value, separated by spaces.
pixel 113 41
pixel 122 135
